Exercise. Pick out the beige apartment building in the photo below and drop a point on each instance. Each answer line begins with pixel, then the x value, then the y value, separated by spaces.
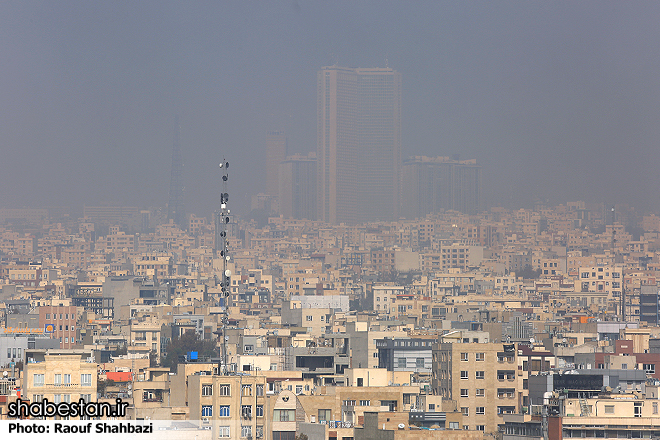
pixel 482 378
pixel 60 375
pixel 236 404
pixel 153 264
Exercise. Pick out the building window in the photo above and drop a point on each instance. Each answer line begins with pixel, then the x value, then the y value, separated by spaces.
pixel 207 411
pixel 284 415
pixel 349 402
pixel 260 390
pixel 67 379
pixel 464 357
pixel 655 407
pixel 225 390
pixel 246 390
pixel 224 411
pixel 464 392
pixel 464 375
pixel 260 411
pixel 86 380
pixel 260 431
pixel 480 375
pixel 324 415
pixel 246 411
pixel 454 425
pixel 481 392
pixel 57 380
pixel 365 402
pixel 299 389
pixel 246 431
pixel 207 390
pixel 401 362
pixel 419 362
pixel 480 357
pixel 649 368
pixel 465 411
pixel 223 432
pixel 481 427
pixel 38 380
pixel 609 409
pixel 308 318
pixel 480 410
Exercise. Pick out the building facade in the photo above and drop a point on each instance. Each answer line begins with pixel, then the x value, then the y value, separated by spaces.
pixel 276 146
pixel 297 187
pixel 435 184
pixel 359 144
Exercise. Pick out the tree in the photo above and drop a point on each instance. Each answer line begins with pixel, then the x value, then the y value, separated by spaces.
pixel 528 273
pixel 179 347
pixel 102 386
pixel 153 358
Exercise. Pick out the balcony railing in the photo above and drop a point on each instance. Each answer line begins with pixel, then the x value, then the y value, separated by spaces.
pixel 339 424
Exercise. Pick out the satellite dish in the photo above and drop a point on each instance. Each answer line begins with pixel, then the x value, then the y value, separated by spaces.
pixel 228 273
pixel 401 426
pixel 532 340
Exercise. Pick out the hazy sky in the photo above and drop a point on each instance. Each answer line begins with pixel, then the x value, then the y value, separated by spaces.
pixel 557 100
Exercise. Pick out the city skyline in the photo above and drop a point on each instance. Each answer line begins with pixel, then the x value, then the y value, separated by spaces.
pixel 559 100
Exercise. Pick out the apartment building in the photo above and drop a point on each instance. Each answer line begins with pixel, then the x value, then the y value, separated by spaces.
pixel 238 404
pixel 60 375
pixel 482 378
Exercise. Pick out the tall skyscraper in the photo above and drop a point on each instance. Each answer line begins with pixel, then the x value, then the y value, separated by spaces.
pixel 433 184
pixel 297 191
pixel 359 144
pixel 275 153
pixel 175 208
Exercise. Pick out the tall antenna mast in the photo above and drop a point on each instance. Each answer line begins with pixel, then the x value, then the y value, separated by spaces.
pixel 221 250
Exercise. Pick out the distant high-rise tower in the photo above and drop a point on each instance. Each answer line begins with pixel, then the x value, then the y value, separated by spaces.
pixel 297 191
pixel 433 184
pixel 275 153
pixel 359 144
pixel 175 208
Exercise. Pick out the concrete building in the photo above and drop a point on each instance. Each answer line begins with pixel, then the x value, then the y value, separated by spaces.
pixel 482 378
pixel 60 375
pixel 276 146
pixel 359 144
pixel 405 354
pixel 435 184
pixel 239 402
pixel 297 187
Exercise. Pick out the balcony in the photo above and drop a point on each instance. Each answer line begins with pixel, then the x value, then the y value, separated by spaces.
pixel 338 424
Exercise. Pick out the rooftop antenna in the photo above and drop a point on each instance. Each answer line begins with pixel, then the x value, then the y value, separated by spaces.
pixel 221 250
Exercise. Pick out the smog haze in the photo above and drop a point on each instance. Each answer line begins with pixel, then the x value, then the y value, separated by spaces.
pixel 557 101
